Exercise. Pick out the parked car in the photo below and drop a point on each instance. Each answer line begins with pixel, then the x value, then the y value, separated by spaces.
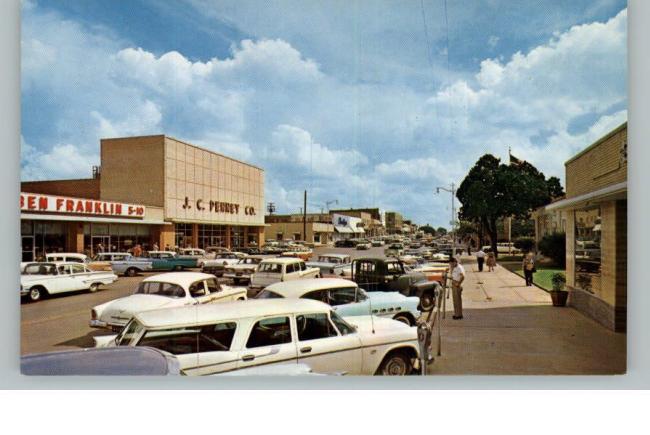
pixel 363 244
pixel 73 257
pixel 347 299
pixel 377 243
pixel 297 251
pixel 163 291
pixel 42 279
pixel 209 339
pixel 332 264
pixel 243 269
pixel 123 263
pixel 272 270
pixel 394 250
pixel 345 243
pixel 168 260
pixel 110 361
pixel 503 248
pixel 251 250
pixel 377 274
pixel 199 255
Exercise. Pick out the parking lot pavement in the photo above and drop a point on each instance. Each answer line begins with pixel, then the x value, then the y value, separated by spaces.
pixel 61 322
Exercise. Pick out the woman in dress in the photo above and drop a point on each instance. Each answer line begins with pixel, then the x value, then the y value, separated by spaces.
pixel 491 262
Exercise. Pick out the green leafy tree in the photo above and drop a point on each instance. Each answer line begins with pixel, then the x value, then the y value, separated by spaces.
pixel 441 231
pixel 493 190
pixel 428 229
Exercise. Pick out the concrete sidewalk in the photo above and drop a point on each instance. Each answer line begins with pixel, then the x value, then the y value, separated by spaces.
pixel 511 329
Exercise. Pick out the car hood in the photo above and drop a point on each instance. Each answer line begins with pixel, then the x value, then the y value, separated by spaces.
pixel 126 307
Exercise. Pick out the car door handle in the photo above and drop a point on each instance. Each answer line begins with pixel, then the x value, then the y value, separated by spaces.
pixel 248 358
pixel 305 349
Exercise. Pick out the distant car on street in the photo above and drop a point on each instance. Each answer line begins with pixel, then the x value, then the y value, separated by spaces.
pixel 345 243
pixel 332 264
pixel 168 260
pixel 272 270
pixel 363 244
pixel 394 250
pixel 243 269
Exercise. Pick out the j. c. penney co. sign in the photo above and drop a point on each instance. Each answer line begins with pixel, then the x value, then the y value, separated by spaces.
pixel 34 202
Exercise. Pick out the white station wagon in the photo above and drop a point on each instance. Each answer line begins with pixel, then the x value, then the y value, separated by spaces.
pixel 347 299
pixel 165 290
pixel 209 339
pixel 280 269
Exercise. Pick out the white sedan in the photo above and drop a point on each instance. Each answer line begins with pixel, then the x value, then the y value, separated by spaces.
pixel 209 339
pixel 41 279
pixel 162 291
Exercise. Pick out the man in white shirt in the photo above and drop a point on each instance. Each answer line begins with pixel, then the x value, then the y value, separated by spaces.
pixel 480 257
pixel 457 277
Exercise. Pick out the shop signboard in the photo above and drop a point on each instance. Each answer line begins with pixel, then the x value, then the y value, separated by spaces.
pixel 38 203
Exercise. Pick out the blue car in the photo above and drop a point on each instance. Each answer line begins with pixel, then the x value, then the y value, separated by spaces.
pixel 347 299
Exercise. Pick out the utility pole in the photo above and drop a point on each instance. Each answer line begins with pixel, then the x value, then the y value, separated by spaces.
pixel 453 215
pixel 304 219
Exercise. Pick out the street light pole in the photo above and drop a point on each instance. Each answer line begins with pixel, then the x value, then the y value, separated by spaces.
pixel 452 190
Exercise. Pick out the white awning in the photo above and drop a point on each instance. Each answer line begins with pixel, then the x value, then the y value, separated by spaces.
pixel 341 229
pixel 358 230
pixel 609 192
pixel 58 217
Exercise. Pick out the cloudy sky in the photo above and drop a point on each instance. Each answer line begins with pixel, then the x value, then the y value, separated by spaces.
pixel 368 102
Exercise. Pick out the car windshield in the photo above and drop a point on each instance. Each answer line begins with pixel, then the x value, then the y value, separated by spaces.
pixel 270 268
pixel 130 332
pixel 40 269
pixel 326 259
pixel 268 294
pixel 161 289
pixel 343 327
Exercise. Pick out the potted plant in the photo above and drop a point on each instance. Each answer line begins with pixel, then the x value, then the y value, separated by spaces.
pixel 559 295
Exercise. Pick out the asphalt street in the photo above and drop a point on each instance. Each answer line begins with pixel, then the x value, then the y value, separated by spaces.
pixel 61 322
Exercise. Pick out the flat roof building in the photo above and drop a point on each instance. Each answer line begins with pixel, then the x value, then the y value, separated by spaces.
pixel 148 190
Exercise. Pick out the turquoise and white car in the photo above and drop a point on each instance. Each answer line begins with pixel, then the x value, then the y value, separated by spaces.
pixel 347 299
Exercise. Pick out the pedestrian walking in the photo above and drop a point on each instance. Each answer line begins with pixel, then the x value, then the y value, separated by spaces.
pixel 155 246
pixel 491 261
pixel 480 258
pixel 528 265
pixel 457 278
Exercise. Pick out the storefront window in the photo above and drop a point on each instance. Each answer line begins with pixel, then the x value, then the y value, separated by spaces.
pixel 115 237
pixel 184 235
pixel 252 237
pixel 212 235
pixel 237 237
pixel 587 249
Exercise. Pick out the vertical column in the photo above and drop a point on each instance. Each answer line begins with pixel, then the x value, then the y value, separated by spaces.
pixel 570 249
pixel 75 239
pixel 245 242
pixel 165 236
pixel 620 321
pixel 195 235
pixel 228 237
pixel 260 236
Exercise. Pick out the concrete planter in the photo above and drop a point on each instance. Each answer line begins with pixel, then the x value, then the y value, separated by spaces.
pixel 559 297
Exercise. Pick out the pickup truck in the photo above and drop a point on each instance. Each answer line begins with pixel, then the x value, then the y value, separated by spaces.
pixel 42 279
pixel 385 275
pixel 279 269
pixel 167 260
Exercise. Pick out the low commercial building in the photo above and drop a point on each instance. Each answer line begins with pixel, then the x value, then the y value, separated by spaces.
pixel 548 222
pixel 320 230
pixel 596 229
pixel 394 222
pixel 371 218
pixel 148 190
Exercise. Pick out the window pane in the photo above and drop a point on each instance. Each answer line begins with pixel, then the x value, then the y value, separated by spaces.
pixel 587 249
pixel 268 294
pixel 213 286
pixel 342 296
pixel 341 324
pixel 181 341
pixel 314 326
pixel 269 332
pixel 197 289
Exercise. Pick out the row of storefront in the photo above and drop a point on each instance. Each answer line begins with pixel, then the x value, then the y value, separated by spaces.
pixel 152 191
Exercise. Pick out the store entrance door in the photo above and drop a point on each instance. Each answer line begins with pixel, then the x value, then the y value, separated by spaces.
pixel 105 241
pixel 27 243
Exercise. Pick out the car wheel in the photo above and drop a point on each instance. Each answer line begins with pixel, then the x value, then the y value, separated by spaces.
pixel 427 301
pixel 178 268
pixel 131 271
pixel 395 364
pixel 404 318
pixel 93 287
pixel 36 293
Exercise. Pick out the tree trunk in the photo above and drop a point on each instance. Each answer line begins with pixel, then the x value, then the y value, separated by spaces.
pixel 492 232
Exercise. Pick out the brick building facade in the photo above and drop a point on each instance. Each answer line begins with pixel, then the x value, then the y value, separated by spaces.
pixel 596 229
